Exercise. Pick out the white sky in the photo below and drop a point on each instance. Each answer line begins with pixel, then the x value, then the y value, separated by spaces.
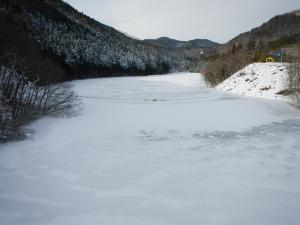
pixel 218 20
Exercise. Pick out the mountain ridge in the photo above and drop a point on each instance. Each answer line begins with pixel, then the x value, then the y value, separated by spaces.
pixel 286 24
pixel 173 43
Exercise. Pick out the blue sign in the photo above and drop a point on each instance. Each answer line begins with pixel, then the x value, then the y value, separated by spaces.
pixel 277 55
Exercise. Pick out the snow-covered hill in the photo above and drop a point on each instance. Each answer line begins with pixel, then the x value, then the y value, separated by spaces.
pixel 263 80
pixel 78 46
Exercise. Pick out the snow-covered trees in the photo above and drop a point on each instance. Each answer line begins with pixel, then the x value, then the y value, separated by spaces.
pixel 79 46
pixel 100 46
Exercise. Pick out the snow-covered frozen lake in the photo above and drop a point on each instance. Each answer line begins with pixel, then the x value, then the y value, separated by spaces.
pixel 157 150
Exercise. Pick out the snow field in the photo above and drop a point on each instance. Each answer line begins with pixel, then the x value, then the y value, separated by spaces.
pixel 161 150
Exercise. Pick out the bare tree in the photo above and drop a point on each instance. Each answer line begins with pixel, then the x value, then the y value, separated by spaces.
pixel 22 100
pixel 294 76
pixel 225 66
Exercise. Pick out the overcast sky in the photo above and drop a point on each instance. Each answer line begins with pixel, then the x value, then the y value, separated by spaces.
pixel 218 20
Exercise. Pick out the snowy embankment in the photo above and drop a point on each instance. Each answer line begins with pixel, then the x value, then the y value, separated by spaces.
pixel 263 80
pixel 157 150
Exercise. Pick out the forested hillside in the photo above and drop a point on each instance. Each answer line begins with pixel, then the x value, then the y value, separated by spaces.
pixel 51 35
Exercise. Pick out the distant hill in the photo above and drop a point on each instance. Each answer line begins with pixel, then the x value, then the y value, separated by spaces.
pixel 172 43
pixel 196 52
pixel 286 26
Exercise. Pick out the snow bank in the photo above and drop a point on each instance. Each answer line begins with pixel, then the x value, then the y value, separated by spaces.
pixel 263 80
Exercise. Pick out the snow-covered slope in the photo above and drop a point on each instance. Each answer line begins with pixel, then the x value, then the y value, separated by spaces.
pixel 264 80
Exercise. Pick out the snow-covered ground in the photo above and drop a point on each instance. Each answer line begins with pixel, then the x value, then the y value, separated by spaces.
pixel 263 80
pixel 158 150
